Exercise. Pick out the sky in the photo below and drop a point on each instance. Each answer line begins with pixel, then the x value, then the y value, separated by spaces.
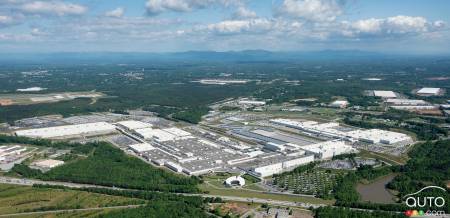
pixel 391 26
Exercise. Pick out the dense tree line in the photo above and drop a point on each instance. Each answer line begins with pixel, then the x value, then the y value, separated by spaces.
pixel 429 165
pixel 109 166
pixel 77 148
pixel 333 212
pixel 192 115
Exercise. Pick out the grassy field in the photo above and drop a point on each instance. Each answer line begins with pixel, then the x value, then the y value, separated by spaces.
pixel 391 159
pixel 16 199
pixel 74 214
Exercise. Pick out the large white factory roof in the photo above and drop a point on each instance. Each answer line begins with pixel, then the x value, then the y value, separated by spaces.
pixel 430 91
pixel 371 135
pixel 250 102
pixel 133 124
pixel 329 148
pixel 68 130
pixel 379 136
pixel 177 132
pixel 142 147
pixel 163 135
pixel 406 102
pixel 158 134
pixel 384 94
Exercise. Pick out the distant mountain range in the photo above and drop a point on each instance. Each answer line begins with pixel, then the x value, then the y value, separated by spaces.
pixel 197 56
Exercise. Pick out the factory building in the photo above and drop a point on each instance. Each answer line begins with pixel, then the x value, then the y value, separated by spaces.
pixel 416 107
pixel 69 131
pixel 339 104
pixel 252 103
pixel 266 169
pixel 274 147
pixel 329 130
pixel 378 136
pixel 405 102
pixel 298 162
pixel 173 166
pixel 329 149
pixel 163 135
pixel 384 94
pixel 429 91
pixel 131 125
pixel 7 151
pixel 141 147
pixel 47 164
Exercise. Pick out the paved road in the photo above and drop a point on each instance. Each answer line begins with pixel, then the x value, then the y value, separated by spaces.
pixel 71 210
pixel 30 182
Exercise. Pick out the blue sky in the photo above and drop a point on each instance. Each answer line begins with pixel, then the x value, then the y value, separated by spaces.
pixel 397 26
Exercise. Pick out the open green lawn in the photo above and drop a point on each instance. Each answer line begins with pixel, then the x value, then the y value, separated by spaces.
pixel 217 180
pixel 391 159
pixel 16 199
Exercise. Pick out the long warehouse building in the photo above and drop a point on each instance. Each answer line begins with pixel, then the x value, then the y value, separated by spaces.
pixel 69 131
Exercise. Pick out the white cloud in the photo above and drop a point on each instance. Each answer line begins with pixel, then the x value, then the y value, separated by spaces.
pixel 53 8
pixel 241 26
pixel 397 25
pixel 311 10
pixel 155 7
pixel 117 13
pixel 242 13
pixel 5 20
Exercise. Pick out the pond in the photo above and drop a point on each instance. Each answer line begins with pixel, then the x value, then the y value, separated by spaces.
pixel 376 192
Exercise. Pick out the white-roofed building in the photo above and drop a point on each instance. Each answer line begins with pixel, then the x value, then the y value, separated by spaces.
pixel 406 102
pixel 328 149
pixel 69 131
pixel 173 166
pixel 141 147
pixel 133 125
pixel 379 136
pixel 235 181
pixel 48 164
pixel 177 132
pixel 339 104
pixel 384 94
pixel 429 91
pixel 250 102
pixel 156 134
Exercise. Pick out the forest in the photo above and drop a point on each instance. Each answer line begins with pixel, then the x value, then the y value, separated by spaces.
pixel 172 88
pixel 333 212
pixel 122 171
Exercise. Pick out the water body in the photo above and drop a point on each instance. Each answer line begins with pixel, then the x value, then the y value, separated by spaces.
pixel 376 192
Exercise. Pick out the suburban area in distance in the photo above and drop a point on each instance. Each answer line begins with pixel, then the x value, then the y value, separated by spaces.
pixel 224 109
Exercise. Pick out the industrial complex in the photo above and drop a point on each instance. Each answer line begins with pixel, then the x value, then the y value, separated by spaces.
pixel 255 144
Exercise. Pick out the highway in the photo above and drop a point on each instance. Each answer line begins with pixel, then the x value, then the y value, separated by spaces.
pixel 30 182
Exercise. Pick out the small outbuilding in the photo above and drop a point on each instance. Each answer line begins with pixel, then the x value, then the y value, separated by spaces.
pixel 235 181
